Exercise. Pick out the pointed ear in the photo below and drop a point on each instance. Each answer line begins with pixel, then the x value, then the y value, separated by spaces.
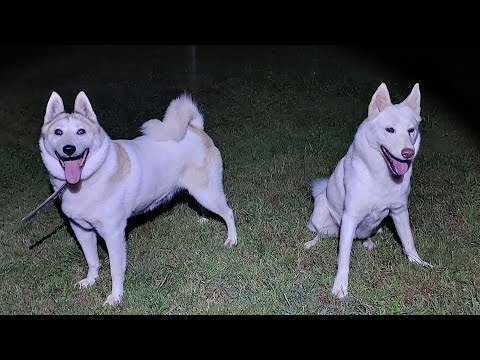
pixel 413 100
pixel 83 107
pixel 54 107
pixel 380 100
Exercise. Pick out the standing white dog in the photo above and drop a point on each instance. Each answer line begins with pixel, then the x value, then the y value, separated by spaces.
pixel 370 182
pixel 111 180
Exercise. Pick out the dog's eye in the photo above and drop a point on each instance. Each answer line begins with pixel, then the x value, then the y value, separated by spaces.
pixel 411 130
pixel 81 131
pixel 58 132
pixel 390 130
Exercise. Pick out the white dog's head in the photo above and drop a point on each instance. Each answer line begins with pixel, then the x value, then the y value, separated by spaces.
pixel 69 142
pixel 393 129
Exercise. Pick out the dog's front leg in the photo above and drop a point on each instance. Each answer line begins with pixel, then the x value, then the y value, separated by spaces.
pixel 88 242
pixel 402 224
pixel 114 237
pixel 347 232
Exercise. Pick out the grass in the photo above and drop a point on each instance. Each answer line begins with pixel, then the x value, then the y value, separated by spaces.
pixel 281 116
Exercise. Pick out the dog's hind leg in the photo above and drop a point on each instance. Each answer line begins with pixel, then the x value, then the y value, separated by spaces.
pixel 214 200
pixel 321 222
pixel 88 241
pixel 203 218
pixel 210 195
pixel 312 242
pixel 206 186
pixel 368 244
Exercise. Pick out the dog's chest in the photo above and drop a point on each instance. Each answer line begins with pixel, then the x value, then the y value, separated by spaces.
pixel 375 212
pixel 371 222
pixel 81 209
pixel 374 216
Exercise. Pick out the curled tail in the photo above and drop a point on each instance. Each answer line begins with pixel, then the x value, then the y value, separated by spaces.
pixel 319 185
pixel 181 112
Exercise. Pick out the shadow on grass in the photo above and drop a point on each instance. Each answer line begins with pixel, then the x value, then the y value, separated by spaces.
pixel 182 197
pixel 388 223
pixel 53 232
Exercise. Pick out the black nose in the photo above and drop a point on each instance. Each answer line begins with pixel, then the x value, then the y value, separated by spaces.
pixel 69 149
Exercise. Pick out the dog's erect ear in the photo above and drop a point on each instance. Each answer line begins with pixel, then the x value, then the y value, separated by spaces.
pixel 380 100
pixel 83 107
pixel 413 100
pixel 54 107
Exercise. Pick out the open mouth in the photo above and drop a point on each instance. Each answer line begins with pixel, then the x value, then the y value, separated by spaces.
pixel 73 166
pixel 398 167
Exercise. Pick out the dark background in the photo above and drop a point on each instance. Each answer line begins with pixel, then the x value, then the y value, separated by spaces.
pixel 450 70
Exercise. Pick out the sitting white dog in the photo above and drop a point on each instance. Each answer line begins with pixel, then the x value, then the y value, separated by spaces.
pixel 370 182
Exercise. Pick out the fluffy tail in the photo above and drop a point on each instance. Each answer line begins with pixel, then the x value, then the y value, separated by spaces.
pixel 181 112
pixel 319 185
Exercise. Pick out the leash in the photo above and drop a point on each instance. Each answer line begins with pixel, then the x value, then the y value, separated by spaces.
pixel 45 202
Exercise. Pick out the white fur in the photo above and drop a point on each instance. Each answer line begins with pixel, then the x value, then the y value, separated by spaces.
pixel 181 112
pixel 126 177
pixel 363 190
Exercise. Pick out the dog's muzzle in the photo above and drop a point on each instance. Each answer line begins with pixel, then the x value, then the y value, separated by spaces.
pixel 398 167
pixel 72 166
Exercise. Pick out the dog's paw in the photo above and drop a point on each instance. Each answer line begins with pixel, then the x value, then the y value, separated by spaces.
pixel 230 242
pixel 419 261
pixel 87 282
pixel 202 220
pixel 340 289
pixel 310 243
pixel 368 244
pixel 113 299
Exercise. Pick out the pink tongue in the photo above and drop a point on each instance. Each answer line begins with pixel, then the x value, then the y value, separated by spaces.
pixel 400 167
pixel 72 171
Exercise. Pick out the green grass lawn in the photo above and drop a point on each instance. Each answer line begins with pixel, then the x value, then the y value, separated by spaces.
pixel 281 116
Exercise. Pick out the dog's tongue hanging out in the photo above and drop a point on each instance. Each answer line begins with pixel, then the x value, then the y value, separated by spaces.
pixel 73 170
pixel 73 167
pixel 399 166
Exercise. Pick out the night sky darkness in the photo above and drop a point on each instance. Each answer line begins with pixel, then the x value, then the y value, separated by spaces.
pixel 449 71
